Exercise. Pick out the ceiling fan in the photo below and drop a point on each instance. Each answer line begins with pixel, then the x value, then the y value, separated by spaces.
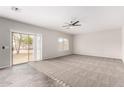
pixel 72 24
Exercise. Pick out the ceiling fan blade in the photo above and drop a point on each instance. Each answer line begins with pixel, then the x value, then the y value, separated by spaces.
pixel 65 26
pixel 75 23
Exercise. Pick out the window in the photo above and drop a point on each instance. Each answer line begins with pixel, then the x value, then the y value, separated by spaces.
pixel 63 44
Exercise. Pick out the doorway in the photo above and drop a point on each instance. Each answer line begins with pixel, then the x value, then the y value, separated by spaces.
pixel 26 48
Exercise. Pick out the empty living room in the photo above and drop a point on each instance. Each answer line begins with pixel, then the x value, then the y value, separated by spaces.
pixel 61 46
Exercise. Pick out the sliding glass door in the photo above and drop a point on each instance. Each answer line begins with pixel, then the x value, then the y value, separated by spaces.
pixel 30 48
pixel 37 47
pixel 26 47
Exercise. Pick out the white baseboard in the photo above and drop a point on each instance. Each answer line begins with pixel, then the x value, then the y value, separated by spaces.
pixel 4 66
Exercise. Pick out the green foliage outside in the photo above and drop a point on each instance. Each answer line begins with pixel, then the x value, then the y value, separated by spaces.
pixel 27 40
pixel 21 41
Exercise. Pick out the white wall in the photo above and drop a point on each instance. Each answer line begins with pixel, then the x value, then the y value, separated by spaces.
pixel 123 44
pixel 49 37
pixel 100 43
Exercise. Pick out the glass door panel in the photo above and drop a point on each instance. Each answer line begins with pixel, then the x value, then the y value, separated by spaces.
pixel 20 48
pixel 31 47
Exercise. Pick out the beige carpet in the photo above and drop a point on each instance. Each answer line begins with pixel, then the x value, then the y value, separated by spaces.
pixel 83 71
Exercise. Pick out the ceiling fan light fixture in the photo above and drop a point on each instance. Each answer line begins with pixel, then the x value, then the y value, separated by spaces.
pixel 71 27
pixel 72 24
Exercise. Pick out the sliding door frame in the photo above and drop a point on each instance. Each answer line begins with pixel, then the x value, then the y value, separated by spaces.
pixel 11 46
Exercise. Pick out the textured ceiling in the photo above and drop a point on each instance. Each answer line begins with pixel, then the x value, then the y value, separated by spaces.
pixel 92 18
